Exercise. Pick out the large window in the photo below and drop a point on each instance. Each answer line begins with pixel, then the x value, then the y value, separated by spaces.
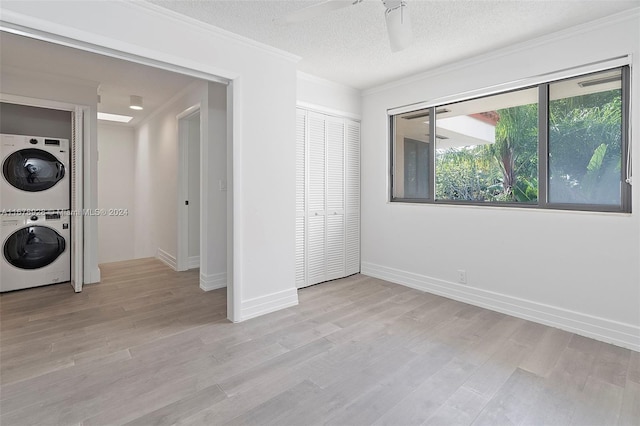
pixel 585 140
pixel 555 145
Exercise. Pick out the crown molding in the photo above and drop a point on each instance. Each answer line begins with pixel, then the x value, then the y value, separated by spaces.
pixel 324 82
pixel 218 32
pixel 627 15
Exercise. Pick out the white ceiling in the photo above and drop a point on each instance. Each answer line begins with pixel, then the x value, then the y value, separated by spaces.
pixel 350 45
pixel 117 79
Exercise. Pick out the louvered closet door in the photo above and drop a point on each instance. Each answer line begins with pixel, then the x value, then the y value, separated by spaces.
pixel 352 184
pixel 301 130
pixel 327 198
pixel 316 200
pixel 335 223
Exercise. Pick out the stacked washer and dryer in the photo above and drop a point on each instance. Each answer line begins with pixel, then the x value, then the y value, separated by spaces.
pixel 35 211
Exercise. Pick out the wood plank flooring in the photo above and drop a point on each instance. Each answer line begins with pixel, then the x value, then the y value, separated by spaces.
pixel 147 347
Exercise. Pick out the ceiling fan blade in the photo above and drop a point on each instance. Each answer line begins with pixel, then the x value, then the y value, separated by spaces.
pixel 399 27
pixel 315 10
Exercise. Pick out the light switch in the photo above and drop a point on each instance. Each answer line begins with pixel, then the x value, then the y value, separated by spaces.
pixel 223 185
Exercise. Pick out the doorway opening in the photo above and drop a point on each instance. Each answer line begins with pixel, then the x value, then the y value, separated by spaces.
pixel 87 255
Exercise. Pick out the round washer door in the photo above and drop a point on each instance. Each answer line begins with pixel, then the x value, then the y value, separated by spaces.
pixel 32 170
pixel 33 247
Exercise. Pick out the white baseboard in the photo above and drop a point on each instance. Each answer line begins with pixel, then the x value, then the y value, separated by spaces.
pixel 213 281
pixel 609 331
pixel 167 259
pixel 193 262
pixel 266 304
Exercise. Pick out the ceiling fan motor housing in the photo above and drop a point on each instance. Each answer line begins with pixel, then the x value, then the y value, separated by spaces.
pixel 393 4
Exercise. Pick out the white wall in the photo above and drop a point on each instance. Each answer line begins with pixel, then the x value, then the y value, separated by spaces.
pixel 40 85
pixel 263 124
pixel 156 176
pixel 116 165
pixel 574 270
pixel 18 119
pixel 327 96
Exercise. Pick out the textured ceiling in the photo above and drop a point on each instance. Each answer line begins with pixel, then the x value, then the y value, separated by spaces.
pixel 350 45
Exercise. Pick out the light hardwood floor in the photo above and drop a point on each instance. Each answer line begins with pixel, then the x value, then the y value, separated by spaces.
pixel 147 346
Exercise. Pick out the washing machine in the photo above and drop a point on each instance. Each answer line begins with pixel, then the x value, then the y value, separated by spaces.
pixel 35 173
pixel 35 250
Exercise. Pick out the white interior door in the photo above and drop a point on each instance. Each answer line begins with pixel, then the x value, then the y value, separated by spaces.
pixel 193 171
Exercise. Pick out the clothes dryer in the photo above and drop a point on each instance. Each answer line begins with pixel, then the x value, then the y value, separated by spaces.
pixel 35 250
pixel 35 173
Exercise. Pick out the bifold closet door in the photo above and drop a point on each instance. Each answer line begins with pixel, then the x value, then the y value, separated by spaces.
pixel 352 192
pixel 316 199
pixel 327 198
pixel 335 186
pixel 301 205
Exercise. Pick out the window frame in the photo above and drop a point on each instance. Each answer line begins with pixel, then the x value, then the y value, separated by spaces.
pixel 543 151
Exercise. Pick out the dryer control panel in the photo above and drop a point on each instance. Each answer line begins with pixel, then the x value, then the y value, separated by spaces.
pixel 34 141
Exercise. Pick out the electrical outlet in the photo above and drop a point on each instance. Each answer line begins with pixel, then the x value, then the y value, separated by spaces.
pixel 462 276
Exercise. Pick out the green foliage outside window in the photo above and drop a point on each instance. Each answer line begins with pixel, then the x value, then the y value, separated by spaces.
pixel 585 142
pixel 585 155
pixel 504 171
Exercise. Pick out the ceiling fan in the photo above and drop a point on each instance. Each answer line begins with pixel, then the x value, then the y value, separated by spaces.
pixel 396 15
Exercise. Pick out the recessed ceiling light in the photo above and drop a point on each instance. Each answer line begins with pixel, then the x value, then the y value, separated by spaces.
pixel 135 102
pixel 114 117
